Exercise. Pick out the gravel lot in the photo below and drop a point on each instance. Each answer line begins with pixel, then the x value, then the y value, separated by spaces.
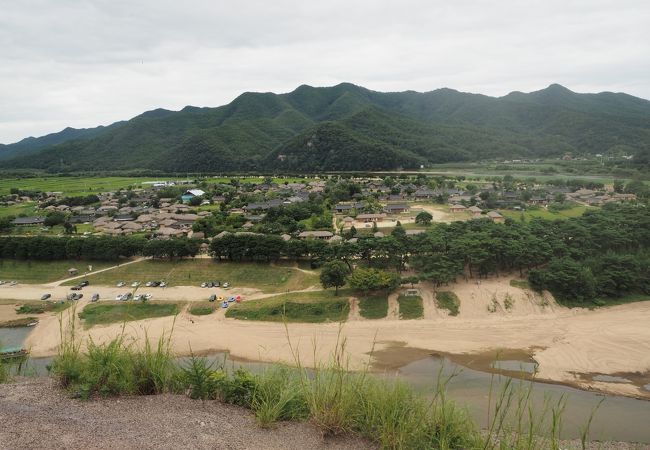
pixel 35 414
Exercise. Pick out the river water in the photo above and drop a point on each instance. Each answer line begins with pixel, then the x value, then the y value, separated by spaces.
pixel 618 418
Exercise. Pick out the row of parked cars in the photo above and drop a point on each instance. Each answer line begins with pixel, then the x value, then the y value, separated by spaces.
pixel 80 286
pixel 211 284
pixel 137 298
pixel 10 283
pixel 136 284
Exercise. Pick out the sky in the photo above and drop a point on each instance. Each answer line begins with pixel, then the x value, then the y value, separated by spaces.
pixel 83 63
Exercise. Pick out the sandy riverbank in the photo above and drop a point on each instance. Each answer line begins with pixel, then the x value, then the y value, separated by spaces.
pixel 568 344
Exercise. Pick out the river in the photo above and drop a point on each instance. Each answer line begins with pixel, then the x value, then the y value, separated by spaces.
pixel 618 418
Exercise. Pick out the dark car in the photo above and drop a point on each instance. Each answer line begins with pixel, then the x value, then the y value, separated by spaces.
pixel 216 284
pixel 76 288
pixel 46 296
pixel 84 283
pixel 212 298
pixel 95 298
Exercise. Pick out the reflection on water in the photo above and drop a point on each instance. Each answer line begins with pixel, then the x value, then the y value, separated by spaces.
pixel 618 418
pixel 13 337
pixel 515 366
pixel 610 379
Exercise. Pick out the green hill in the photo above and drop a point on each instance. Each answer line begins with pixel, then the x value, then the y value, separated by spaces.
pixel 347 127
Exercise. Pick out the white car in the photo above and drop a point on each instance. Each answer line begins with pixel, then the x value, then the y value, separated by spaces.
pixel 135 284
pixel 149 283
pixel 119 297
pixel 121 284
pixel 147 296
pixel 13 283
pixel 162 284
pixel 138 297
pixel 225 285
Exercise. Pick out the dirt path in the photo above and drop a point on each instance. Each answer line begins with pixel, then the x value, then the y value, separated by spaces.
pixel 393 307
pixel 430 310
pixel 79 277
pixel 37 415
pixel 355 312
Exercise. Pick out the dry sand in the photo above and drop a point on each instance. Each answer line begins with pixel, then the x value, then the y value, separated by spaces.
pixel 565 342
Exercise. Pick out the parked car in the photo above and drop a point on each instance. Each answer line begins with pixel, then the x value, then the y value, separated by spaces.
pixel 76 288
pixel 216 284
pixel 121 284
pixel 204 285
pixel 147 297
pixel 163 284
pixel 224 305
pixel 84 283
pixel 46 296
pixel 149 283
pixel 128 296
pixel 226 285
pixel 13 283
pixel 94 298
pixel 212 298
pixel 135 284
pixel 138 297
pixel 119 297
pixel 78 296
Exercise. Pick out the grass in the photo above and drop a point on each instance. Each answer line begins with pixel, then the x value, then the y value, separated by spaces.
pixel 309 307
pixel 192 272
pixel 43 307
pixel 449 301
pixel 43 271
pixel 410 307
pixel 17 323
pixel 521 284
pixel 606 301
pixel 72 186
pixel 116 312
pixel 202 309
pixel 27 209
pixel 373 306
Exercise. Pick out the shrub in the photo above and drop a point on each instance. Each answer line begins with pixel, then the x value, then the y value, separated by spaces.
pixel 449 301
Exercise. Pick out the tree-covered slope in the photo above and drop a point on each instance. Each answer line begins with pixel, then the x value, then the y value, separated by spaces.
pixel 347 127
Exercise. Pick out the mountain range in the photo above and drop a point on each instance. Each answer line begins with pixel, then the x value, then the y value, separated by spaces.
pixel 347 127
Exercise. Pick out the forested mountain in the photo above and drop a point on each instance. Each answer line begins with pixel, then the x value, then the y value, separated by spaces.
pixel 347 127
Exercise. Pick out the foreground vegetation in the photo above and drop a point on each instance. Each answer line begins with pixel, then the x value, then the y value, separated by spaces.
pixel 42 307
pixel 310 307
pixel 332 398
pixel 116 312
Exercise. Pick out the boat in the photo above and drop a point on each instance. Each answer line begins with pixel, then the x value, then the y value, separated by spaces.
pixel 13 353
pixel 31 324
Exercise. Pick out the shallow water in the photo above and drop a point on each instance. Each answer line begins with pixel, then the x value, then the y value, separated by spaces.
pixel 618 418
pixel 610 379
pixel 515 366
pixel 14 337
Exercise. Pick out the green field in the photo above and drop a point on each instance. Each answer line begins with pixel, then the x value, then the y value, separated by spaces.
pixel 449 301
pixel 43 307
pixel 193 272
pixel 410 307
pixel 521 284
pixel 43 271
pixel 202 308
pixel 73 186
pixel 189 272
pixel 24 209
pixel 543 213
pixel 116 312
pixel 373 306
pixel 310 307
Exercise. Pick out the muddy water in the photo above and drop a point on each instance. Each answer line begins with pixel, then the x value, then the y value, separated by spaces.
pixel 618 418
pixel 13 337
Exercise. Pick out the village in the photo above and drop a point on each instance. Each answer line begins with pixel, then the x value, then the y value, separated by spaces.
pixel 339 207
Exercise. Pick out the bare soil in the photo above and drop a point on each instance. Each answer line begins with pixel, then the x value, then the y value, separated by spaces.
pixel 35 414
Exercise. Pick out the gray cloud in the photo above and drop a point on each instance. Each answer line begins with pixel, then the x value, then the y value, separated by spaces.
pixel 85 63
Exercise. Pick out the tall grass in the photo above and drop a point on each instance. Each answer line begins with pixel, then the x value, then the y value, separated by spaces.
pixel 331 397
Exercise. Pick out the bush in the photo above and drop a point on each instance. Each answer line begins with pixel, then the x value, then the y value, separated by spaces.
pixel 449 301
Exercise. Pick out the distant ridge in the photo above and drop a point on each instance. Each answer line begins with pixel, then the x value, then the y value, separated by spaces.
pixel 348 127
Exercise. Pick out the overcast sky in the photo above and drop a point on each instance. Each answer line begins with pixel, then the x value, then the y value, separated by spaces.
pixel 86 63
